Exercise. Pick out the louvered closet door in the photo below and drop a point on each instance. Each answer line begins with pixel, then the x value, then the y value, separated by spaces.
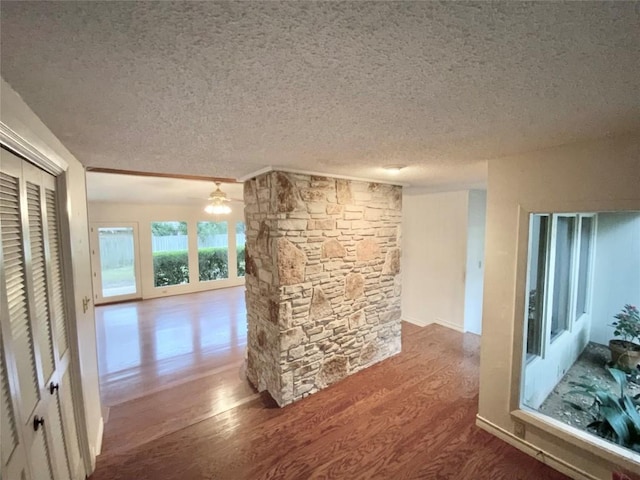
pixel 34 333
pixel 14 460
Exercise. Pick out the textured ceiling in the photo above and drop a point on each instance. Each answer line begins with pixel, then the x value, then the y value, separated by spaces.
pixel 109 187
pixel 223 89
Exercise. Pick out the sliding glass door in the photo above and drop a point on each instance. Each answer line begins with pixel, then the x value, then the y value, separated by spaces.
pixel 116 272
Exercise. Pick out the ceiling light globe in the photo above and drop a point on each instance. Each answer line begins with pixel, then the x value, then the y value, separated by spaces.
pixel 217 209
pixel 394 169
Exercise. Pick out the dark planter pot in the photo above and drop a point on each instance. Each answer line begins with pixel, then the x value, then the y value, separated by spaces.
pixel 625 355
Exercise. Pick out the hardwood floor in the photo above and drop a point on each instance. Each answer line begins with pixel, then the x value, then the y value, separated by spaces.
pixel 411 416
pixel 148 346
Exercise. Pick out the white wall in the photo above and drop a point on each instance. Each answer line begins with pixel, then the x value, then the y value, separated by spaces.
pixel 434 253
pixel 143 215
pixel 591 176
pixel 475 261
pixel 19 117
pixel 544 373
pixel 616 270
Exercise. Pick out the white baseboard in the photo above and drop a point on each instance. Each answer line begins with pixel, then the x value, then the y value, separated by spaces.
pixel 415 321
pixel 99 437
pixel 450 325
pixel 159 292
pixel 533 451
pixel 438 321
pixel 95 448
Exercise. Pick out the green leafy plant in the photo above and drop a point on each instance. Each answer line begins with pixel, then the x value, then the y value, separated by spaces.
pixel 213 263
pixel 241 262
pixel 170 268
pixel 616 416
pixel 627 324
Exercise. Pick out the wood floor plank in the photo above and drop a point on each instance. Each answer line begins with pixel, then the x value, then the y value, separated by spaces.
pixel 151 345
pixel 409 417
pixel 175 408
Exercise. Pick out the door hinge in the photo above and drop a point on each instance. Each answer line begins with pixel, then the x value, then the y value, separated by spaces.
pixel 85 304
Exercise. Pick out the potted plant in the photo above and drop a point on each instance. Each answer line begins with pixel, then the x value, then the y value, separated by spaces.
pixel 625 352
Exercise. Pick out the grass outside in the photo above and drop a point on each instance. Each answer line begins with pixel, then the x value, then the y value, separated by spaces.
pixel 118 277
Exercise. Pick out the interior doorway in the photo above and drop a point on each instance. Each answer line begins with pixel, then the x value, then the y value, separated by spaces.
pixel 168 276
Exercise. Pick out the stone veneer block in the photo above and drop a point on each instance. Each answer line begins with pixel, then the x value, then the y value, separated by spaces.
pixel 333 248
pixel 291 263
pixel 353 286
pixel 367 250
pixel 322 281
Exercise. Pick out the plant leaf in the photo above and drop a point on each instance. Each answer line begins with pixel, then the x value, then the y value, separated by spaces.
pixel 606 399
pixel 620 377
pixel 588 388
pixel 632 413
pixel 616 419
pixel 581 392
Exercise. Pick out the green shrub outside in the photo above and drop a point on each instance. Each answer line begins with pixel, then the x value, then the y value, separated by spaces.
pixel 213 263
pixel 172 268
pixel 240 261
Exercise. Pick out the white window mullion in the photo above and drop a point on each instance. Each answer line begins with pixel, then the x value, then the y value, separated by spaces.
pixel 575 267
pixel 232 256
pixel 592 260
pixel 549 282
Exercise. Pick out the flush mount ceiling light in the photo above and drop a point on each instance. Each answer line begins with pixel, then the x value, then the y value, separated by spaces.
pixel 394 169
pixel 218 202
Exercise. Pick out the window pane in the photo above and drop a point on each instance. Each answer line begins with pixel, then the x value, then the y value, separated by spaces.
pixel 170 248
pixel 117 269
pixel 537 268
pixel 213 251
pixel 565 232
pixel 240 241
pixel 583 268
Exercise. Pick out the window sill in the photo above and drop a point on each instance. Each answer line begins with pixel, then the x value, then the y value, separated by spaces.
pixel 591 444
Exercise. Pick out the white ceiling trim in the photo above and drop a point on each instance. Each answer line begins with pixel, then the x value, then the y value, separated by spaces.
pixel 255 173
pixel 318 174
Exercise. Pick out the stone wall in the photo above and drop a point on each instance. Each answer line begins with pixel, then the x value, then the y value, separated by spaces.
pixel 323 283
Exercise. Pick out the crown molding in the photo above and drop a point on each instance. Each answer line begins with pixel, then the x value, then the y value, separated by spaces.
pixel 138 173
pixel 271 168
pixel 255 173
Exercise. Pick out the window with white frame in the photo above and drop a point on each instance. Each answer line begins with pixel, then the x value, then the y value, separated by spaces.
pixel 558 276
pixel 563 234
pixel 583 273
pixel 539 239
pixel 584 265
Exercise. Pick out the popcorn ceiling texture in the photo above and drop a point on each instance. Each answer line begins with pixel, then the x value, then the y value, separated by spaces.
pixel 226 88
pixel 323 280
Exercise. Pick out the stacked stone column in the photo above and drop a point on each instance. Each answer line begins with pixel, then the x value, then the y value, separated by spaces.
pixel 322 280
